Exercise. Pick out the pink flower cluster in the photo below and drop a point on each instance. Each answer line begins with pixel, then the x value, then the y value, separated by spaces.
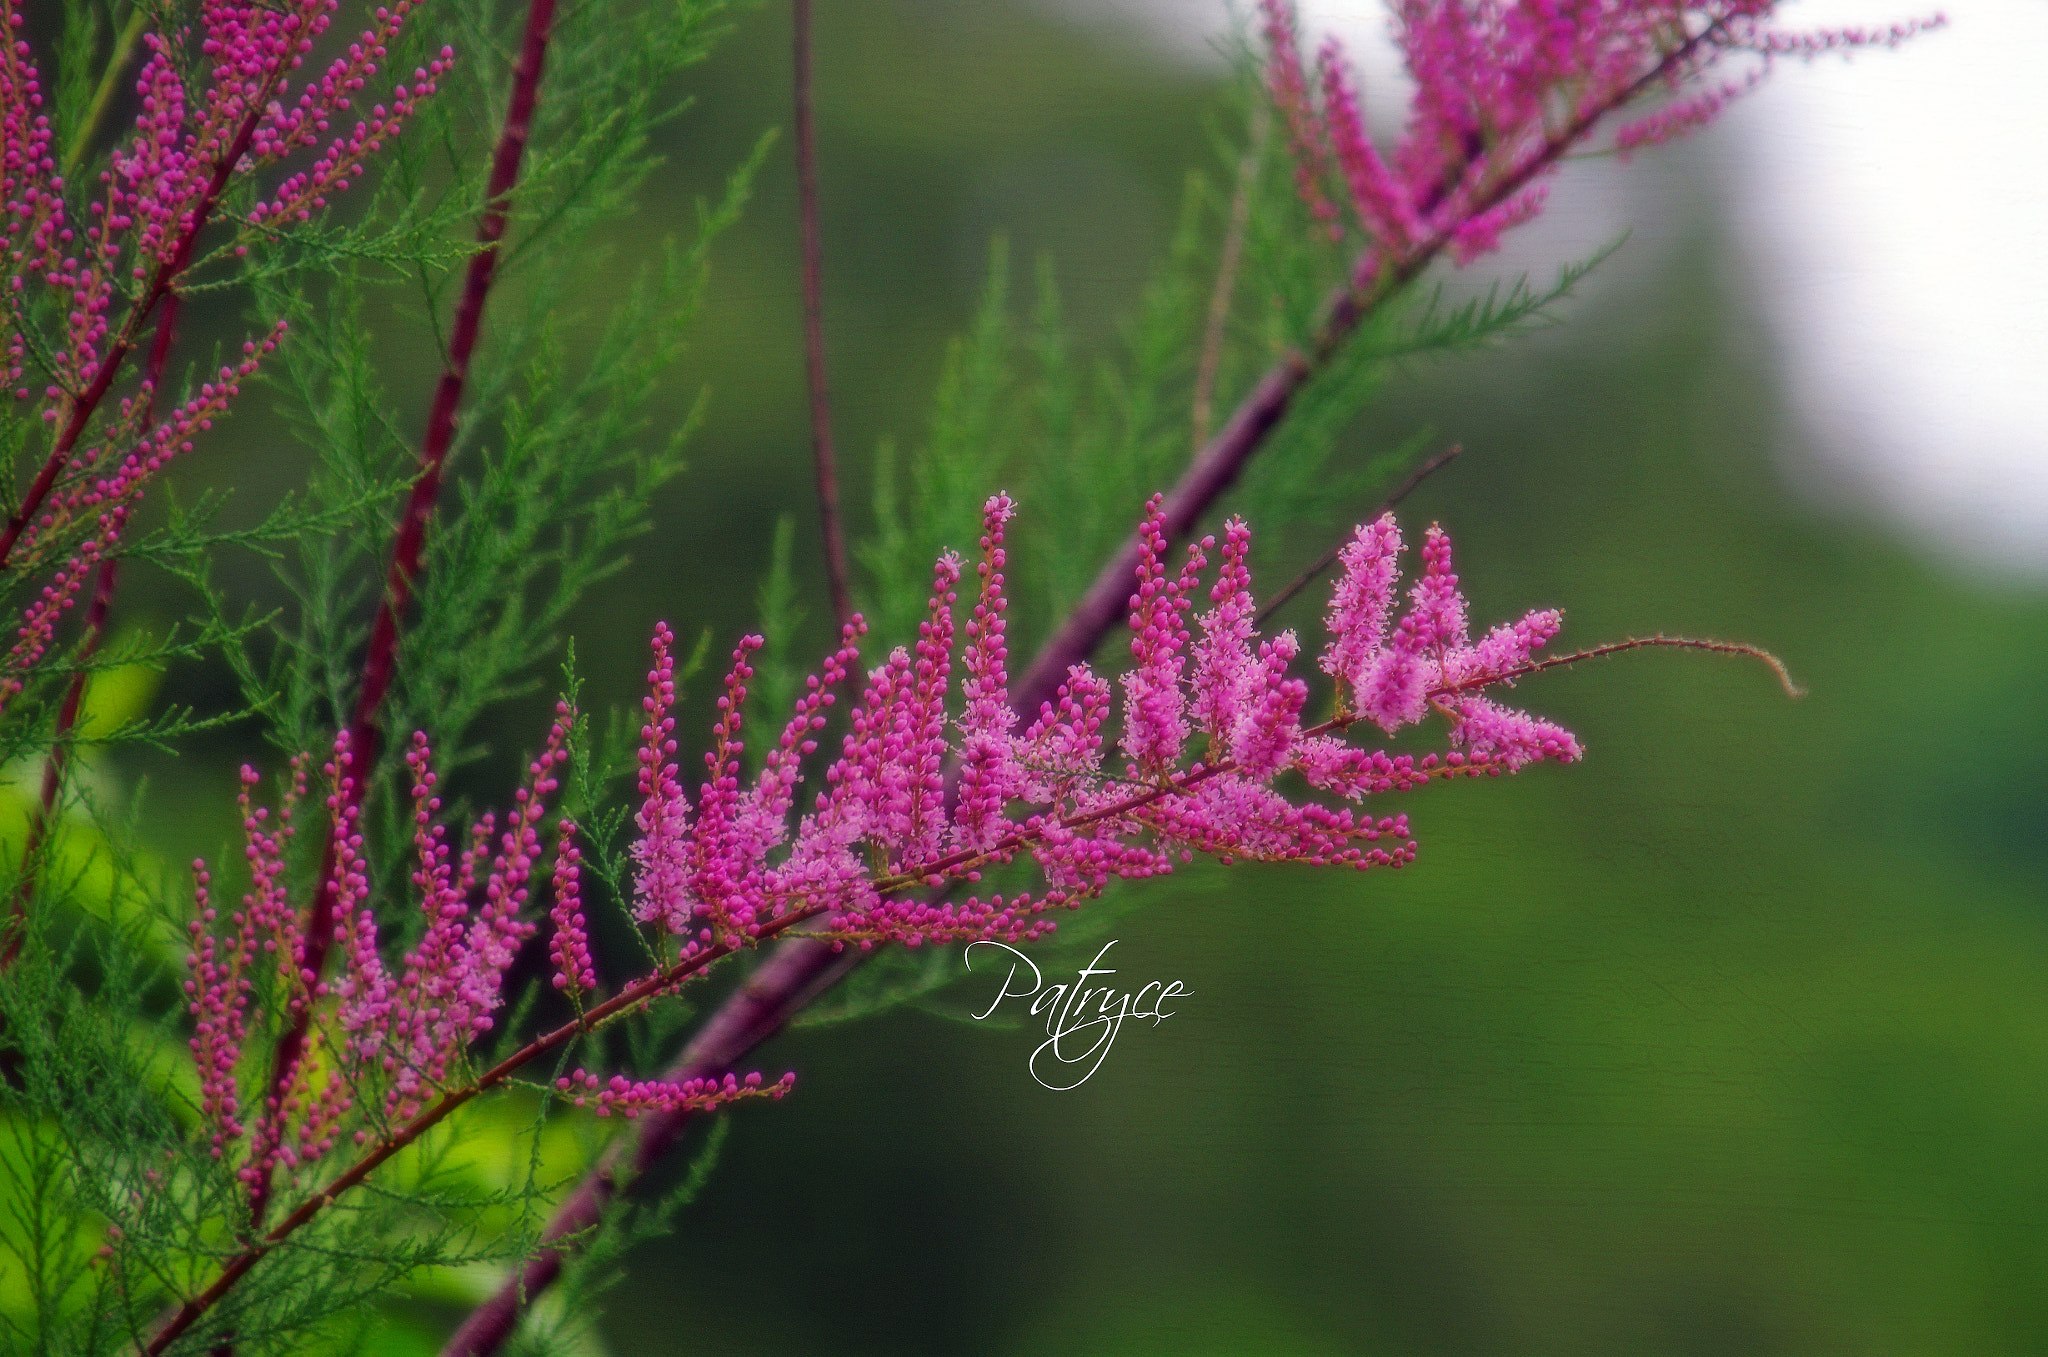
pixel 1502 89
pixel 890 836
pixel 630 1097
pixel 108 498
pixel 401 1035
pixel 215 107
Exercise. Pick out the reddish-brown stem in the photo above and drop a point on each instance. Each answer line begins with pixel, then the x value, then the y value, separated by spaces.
pixel 1387 505
pixel 380 663
pixel 1776 665
pixel 824 462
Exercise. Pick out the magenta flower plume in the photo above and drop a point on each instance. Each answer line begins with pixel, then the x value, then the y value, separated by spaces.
pixel 1503 88
pixel 1392 677
pixel 569 948
pixel 403 1030
pixel 90 270
pixel 878 859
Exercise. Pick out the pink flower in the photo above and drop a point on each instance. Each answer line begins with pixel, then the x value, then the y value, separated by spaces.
pixel 878 859
pixel 1503 89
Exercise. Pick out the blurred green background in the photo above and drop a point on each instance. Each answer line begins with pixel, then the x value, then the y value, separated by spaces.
pixel 1732 1039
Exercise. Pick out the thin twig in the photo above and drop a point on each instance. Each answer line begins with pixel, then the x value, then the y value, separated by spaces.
pixel 1387 505
pixel 380 663
pixel 103 94
pixel 838 570
pixel 1776 665
pixel 1226 272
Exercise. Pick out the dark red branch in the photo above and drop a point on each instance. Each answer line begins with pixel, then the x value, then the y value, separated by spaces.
pixel 824 462
pixel 380 663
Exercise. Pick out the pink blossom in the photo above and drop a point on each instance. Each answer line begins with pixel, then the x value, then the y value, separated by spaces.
pixel 875 860
pixel 1503 90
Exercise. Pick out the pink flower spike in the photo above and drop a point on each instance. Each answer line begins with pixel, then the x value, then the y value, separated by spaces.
pixel 1223 656
pixel 1269 721
pixel 499 929
pixel 219 990
pixel 1511 737
pixel 989 774
pixel 1362 600
pixel 716 866
pixel 569 949
pixel 630 1098
pixel 1154 724
pixel 1506 648
pixel 1379 199
pixel 1480 235
pixel 917 810
pixel 661 888
pixel 763 824
pixel 364 988
pixel 1065 743
pixel 1305 136
pixel 1434 601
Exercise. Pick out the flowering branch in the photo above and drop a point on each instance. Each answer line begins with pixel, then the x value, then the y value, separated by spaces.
pixel 166 191
pixel 731 871
pixel 1217 466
